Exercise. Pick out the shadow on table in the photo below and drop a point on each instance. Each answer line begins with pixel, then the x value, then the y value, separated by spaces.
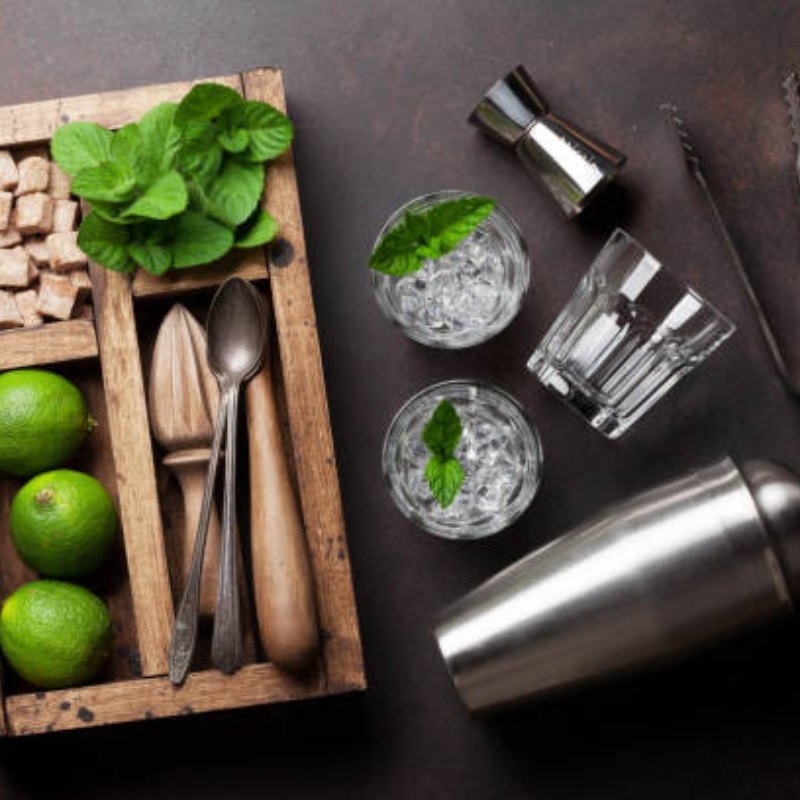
pixel 678 727
pixel 207 755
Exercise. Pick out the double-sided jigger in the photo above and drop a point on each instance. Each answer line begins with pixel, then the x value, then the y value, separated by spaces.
pixel 570 163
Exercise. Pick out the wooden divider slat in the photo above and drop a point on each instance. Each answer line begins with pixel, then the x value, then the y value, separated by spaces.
pixel 308 410
pixel 35 122
pixel 150 698
pixel 133 458
pixel 251 265
pixel 48 344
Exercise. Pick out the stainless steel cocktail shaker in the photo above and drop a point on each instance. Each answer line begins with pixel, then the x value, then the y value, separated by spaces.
pixel 654 578
pixel 571 164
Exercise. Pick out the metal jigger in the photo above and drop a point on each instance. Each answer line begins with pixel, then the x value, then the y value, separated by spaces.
pixel 668 572
pixel 573 165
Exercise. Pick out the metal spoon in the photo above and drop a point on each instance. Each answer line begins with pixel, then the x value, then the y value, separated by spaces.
pixel 236 330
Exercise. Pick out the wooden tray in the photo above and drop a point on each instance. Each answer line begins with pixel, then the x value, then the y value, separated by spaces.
pixel 105 358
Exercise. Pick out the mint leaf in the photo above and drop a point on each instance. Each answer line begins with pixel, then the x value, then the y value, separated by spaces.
pixel 444 479
pixel 259 229
pixel 234 140
pixel 443 431
pixel 200 154
pixel 441 436
pixel 453 221
pixel 160 138
pixel 428 234
pixel 105 243
pixel 163 199
pixel 79 145
pixel 396 252
pixel 206 101
pixel 270 132
pixel 198 240
pixel 152 232
pixel 126 145
pixel 110 181
pixel 235 191
pixel 151 257
pixel 198 199
pixel 110 211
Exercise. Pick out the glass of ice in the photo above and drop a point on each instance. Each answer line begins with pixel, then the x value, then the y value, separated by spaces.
pixel 499 451
pixel 468 295
pixel 630 332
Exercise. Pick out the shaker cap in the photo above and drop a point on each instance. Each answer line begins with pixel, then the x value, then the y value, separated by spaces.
pixel 776 492
pixel 509 108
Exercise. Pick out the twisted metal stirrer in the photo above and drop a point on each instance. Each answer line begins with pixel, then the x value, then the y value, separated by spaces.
pixel 791 91
pixel 791 381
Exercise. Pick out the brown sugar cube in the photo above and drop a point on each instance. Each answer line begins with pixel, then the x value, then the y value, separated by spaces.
pixel 6 202
pixel 9 174
pixel 33 214
pixel 9 315
pixel 57 297
pixel 65 215
pixel 80 280
pixel 33 271
pixel 65 255
pixel 26 306
pixel 10 237
pixel 60 183
pixel 53 277
pixel 38 252
pixel 14 268
pixel 34 175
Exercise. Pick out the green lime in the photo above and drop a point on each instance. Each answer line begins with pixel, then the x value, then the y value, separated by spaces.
pixel 63 523
pixel 55 634
pixel 43 421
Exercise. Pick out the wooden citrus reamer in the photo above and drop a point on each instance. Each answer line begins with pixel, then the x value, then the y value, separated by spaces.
pixel 183 398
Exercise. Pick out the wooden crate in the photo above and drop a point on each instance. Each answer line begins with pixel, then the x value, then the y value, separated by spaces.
pixel 108 359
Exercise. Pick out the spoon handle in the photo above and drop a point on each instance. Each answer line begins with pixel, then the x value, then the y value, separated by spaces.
pixel 184 633
pixel 226 644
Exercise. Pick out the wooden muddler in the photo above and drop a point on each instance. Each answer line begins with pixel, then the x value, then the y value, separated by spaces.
pixel 282 580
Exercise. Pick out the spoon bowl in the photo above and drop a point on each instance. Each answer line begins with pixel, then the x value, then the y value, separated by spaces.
pixel 236 331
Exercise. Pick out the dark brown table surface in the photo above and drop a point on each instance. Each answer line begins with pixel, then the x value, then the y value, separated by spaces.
pixel 379 92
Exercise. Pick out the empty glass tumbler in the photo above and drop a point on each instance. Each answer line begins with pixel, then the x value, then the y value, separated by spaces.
pixel 468 295
pixel 630 332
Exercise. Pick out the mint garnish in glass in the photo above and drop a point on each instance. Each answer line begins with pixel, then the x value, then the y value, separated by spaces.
pixel 431 233
pixel 450 268
pixel 443 470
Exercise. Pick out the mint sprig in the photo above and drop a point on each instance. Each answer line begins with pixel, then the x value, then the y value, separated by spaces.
pixel 441 436
pixel 428 234
pixel 179 188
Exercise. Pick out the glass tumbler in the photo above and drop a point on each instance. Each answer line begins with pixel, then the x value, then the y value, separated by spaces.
pixel 468 295
pixel 499 451
pixel 630 332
